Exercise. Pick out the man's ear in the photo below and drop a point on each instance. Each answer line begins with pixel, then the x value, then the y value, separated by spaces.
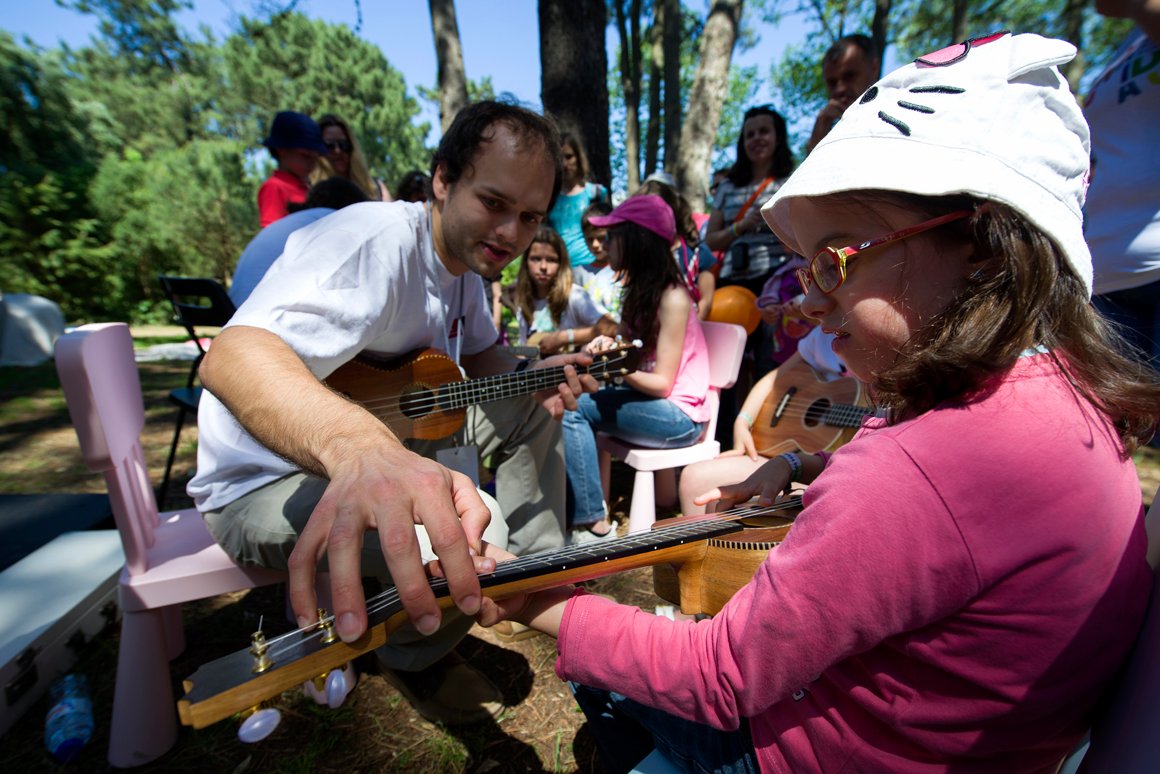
pixel 439 185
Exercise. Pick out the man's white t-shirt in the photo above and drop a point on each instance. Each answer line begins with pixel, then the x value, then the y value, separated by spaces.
pixel 365 278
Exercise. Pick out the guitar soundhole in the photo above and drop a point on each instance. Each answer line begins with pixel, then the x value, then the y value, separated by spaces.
pixel 816 412
pixel 416 402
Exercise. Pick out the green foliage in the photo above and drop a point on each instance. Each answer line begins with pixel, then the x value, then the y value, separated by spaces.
pixel 203 235
pixel 295 63
pixel 138 154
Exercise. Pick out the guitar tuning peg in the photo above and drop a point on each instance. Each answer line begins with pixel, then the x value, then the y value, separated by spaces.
pixel 333 687
pixel 259 725
pixel 339 684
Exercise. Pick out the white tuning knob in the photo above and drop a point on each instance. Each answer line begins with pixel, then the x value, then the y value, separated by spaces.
pixel 337 688
pixel 334 690
pixel 260 725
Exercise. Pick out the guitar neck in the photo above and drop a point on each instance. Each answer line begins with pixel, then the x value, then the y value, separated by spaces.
pixel 470 392
pixel 229 685
pixel 842 415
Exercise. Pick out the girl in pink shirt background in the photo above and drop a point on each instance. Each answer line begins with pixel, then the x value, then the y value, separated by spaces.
pixel 969 572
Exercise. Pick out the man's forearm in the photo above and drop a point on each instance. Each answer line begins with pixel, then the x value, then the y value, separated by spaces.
pixel 276 398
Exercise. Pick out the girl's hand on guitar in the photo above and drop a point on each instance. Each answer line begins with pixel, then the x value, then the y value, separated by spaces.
pixel 600 344
pixel 765 483
pixel 543 610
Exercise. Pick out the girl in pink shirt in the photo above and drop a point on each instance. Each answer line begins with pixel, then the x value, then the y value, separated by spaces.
pixel 968 573
pixel 662 405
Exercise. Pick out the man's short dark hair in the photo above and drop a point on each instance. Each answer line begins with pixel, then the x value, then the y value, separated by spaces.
pixel 838 50
pixel 473 126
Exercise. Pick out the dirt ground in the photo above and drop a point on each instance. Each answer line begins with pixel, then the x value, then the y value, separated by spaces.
pixel 541 730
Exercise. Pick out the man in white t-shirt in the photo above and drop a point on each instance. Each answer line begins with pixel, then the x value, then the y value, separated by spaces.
pixel 291 473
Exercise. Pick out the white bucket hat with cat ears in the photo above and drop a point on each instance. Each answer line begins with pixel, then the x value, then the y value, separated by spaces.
pixel 991 118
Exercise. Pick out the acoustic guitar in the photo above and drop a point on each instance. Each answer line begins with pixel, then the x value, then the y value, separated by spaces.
pixel 423 395
pixel 805 412
pixel 243 679
pixel 728 563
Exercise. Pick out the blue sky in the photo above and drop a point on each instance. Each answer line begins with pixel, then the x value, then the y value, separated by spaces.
pixel 503 45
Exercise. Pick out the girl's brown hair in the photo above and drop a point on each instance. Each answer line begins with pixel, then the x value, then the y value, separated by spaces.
pixel 561 290
pixel 648 270
pixel 1024 294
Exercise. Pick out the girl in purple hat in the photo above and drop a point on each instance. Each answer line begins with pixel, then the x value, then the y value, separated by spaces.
pixel 662 405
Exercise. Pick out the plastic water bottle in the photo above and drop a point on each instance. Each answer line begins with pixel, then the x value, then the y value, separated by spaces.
pixel 69 723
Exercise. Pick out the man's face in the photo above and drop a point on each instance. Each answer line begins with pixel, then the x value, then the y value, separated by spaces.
pixel 849 76
pixel 488 217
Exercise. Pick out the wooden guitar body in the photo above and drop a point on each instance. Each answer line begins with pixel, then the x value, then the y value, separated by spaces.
pixel 804 412
pixel 725 565
pixel 404 393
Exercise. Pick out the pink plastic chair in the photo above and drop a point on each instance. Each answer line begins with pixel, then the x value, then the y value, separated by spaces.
pixel 726 343
pixel 170 558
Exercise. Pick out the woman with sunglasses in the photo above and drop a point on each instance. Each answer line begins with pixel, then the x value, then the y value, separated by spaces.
pixel 344 158
pixel 969 572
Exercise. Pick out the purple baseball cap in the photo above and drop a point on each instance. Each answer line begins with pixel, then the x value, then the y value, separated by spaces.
pixel 647 211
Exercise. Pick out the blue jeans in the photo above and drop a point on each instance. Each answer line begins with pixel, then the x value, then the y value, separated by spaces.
pixel 626 731
pixel 655 423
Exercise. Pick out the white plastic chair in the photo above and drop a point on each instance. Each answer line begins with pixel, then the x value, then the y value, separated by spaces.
pixel 726 344
pixel 170 558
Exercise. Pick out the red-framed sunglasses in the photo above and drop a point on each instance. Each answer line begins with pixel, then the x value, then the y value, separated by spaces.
pixel 827 269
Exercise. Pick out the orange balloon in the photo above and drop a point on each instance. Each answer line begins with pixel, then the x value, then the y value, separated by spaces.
pixel 735 304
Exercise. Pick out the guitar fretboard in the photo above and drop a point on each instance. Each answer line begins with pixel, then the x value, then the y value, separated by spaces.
pixel 843 415
pixel 457 395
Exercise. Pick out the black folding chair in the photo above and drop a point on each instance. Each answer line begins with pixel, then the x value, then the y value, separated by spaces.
pixel 198 302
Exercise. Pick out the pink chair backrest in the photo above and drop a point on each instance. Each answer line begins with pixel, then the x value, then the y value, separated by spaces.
pixel 726 343
pixel 98 374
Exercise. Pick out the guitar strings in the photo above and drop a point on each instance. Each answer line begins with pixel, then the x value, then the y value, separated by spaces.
pixel 390 596
pixel 493 387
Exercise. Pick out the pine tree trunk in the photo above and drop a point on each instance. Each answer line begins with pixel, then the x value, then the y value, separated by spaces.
pixel 573 72
pixel 879 28
pixel 672 60
pixel 710 85
pixel 652 142
pixel 630 69
pixel 452 81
